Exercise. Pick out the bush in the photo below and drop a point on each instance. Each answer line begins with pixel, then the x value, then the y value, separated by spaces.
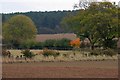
pixel 6 53
pixel 47 52
pixel 29 44
pixel 27 54
pixel 49 43
pixel 95 52
pixel 62 44
pixel 109 52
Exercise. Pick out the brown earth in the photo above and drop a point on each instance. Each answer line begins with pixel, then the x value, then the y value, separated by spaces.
pixel 76 69
pixel 44 37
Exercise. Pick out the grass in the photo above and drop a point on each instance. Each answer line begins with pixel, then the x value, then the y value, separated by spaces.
pixel 68 69
pixel 64 56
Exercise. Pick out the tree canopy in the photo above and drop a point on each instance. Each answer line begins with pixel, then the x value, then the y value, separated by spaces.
pixel 18 29
pixel 46 22
pixel 98 23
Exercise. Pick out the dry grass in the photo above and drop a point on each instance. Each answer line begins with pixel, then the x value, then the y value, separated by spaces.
pixel 64 56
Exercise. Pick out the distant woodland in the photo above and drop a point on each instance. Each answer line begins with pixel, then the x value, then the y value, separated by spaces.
pixel 46 22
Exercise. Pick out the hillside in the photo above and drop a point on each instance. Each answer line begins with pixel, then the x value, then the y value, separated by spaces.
pixel 46 22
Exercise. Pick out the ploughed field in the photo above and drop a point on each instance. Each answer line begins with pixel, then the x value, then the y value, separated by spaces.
pixel 69 69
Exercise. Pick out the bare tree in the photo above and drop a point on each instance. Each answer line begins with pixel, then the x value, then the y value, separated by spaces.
pixel 84 4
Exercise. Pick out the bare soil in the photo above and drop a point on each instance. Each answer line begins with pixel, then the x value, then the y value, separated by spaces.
pixel 73 69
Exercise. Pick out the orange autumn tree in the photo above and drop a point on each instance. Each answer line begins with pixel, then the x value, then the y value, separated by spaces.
pixel 75 43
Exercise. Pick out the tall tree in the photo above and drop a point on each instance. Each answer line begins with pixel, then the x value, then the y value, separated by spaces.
pixel 18 29
pixel 98 23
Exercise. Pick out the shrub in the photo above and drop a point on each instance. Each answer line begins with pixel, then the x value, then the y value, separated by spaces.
pixel 6 53
pixel 47 52
pixel 75 43
pixel 27 54
pixel 49 43
pixel 65 55
pixel 95 52
pixel 63 44
pixel 109 52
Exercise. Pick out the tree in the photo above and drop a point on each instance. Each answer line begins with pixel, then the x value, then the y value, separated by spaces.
pixel 98 23
pixel 46 22
pixel 107 29
pixel 107 24
pixel 18 29
pixel 82 25
pixel 119 21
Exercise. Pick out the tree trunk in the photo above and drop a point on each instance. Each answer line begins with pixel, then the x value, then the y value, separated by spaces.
pixel 92 43
pixel 92 47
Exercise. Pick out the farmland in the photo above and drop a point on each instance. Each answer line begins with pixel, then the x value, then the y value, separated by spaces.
pixel 61 67
pixel 77 69
pixel 75 44
pixel 44 37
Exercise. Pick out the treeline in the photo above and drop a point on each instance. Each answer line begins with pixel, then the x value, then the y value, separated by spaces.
pixel 62 44
pixel 46 22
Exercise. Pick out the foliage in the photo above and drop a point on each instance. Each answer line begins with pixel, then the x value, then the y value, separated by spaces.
pixel 49 43
pixel 29 44
pixel 47 52
pixel 62 44
pixel 27 53
pixel 98 23
pixel 46 22
pixel 18 29
pixel 75 43
pixel 56 44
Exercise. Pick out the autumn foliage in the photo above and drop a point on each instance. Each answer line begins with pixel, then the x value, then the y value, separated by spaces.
pixel 75 43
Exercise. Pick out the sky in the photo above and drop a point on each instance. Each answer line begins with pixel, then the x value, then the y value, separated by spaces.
pixel 9 6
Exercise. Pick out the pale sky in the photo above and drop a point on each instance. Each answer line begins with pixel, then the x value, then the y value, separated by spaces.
pixel 37 5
